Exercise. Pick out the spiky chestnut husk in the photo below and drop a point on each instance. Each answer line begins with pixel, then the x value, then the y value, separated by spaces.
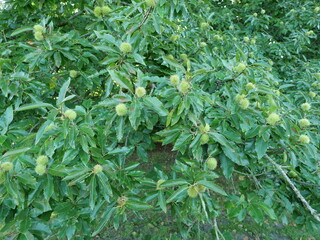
pixel 250 86
pixel 174 38
pixel 309 33
pixel 125 47
pixel 122 201
pixel 170 56
pixel 49 127
pixel 273 118
pixel 6 166
pixel 211 163
pixel 73 73
pixel 174 80
pixel 42 160
pixel 121 109
pixel 263 11
pixel 305 106
pixel 203 44
pixel 38 36
pixel 140 92
pixel 253 41
pixel 312 94
pixel 277 92
pixel 293 174
pixel 304 122
pixel 70 114
pixel 200 188
pixel 244 103
pixel 304 139
pixel 255 14
pixel 204 25
pixel 246 39
pixel 97 168
pixel 105 10
pixel 270 62
pixel 40 169
pixel 240 68
pixel 160 181
pixel 217 37
pixel 38 28
pixel 151 3
pixel 239 97
pixel 192 191
pixel 205 128
pixel 184 56
pixel 204 139
pixel 184 87
pixel 97 11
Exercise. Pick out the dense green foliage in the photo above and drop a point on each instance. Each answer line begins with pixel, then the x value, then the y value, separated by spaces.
pixel 233 86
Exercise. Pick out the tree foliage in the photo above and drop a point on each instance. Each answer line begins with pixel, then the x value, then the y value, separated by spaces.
pixel 232 86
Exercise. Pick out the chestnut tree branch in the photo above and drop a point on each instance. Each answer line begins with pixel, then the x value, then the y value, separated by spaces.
pixel 296 191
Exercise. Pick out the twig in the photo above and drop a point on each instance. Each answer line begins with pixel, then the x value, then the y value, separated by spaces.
pixel 217 230
pixel 296 191
pixel 70 18
pixel 221 82
pixel 307 184
pixel 132 30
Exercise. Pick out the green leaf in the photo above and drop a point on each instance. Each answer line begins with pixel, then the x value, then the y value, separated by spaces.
pixel 261 147
pixel 104 219
pixel 139 59
pixel 21 30
pixel 182 142
pixel 5 119
pixel 33 106
pixel 76 173
pixel 105 187
pixel 178 193
pixel 121 80
pixel 156 105
pixel 16 152
pixel 173 63
pixel 57 59
pixel 84 143
pixel 26 178
pixel 92 192
pixel 41 131
pixel 137 205
pixel 69 155
pixel 162 201
pixel 212 186
pixel 120 128
pixel 49 187
pixel 268 210
pixel 227 166
pixel 62 92
pixel 173 182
